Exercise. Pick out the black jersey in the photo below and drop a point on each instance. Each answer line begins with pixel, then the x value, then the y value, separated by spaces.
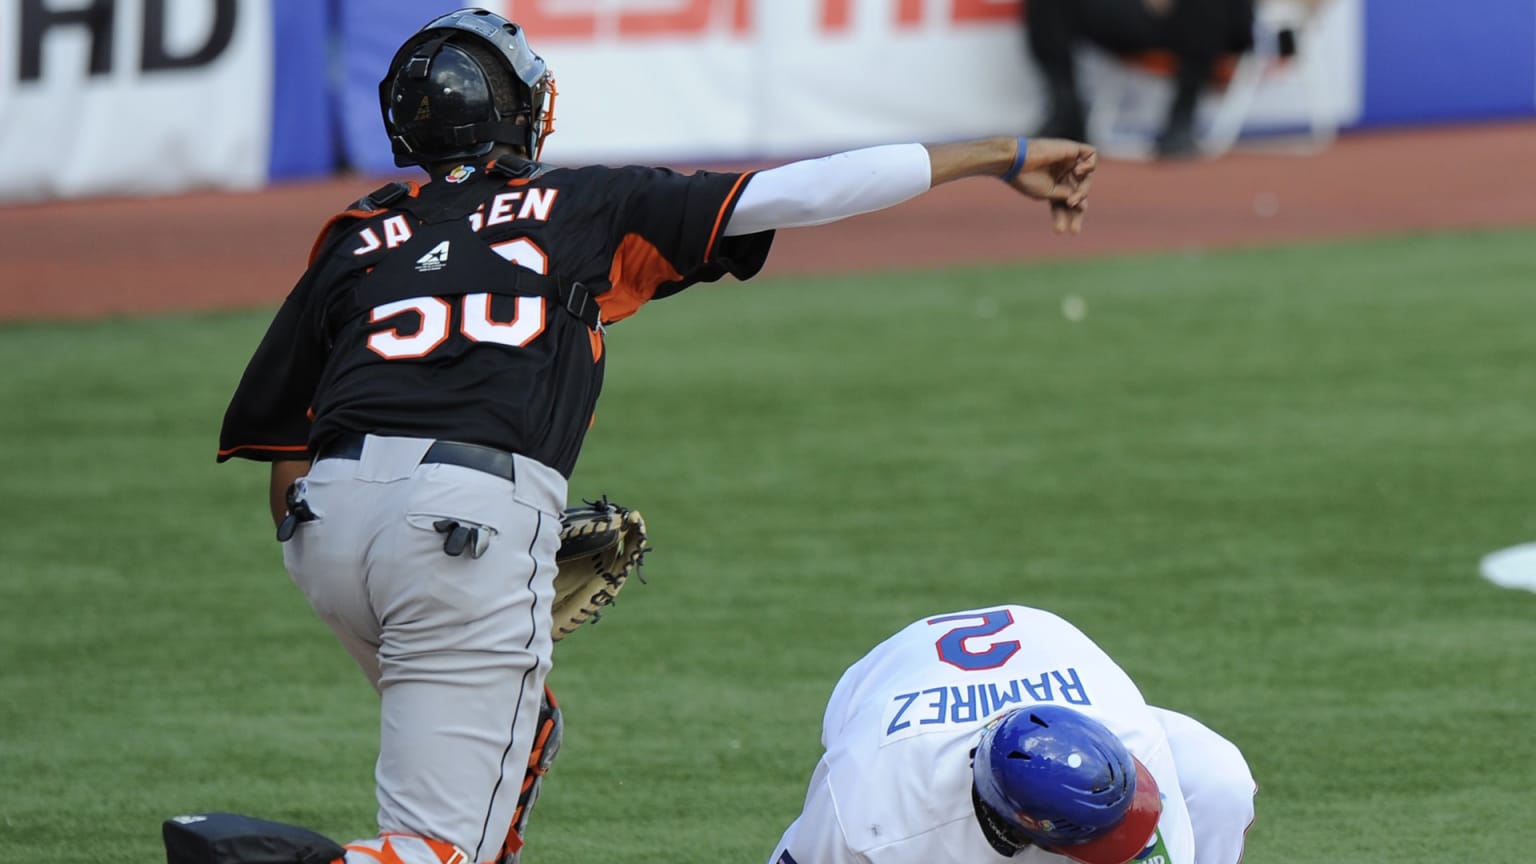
pixel 443 314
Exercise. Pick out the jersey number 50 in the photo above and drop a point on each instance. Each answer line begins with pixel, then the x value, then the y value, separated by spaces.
pixel 475 323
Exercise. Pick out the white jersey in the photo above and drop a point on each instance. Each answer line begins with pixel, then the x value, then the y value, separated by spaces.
pixel 893 786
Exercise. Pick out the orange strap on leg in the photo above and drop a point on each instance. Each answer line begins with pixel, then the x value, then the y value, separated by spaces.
pixel 546 744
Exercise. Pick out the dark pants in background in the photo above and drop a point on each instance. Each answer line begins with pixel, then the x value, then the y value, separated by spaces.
pixel 1196 32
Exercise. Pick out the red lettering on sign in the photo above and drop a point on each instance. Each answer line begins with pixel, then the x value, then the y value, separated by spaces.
pixel 683 18
pixel 691 17
pixel 967 11
pixel 836 13
pixel 741 17
pixel 698 17
pixel 541 23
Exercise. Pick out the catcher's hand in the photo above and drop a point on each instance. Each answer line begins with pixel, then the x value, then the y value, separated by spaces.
pixel 602 544
pixel 1061 172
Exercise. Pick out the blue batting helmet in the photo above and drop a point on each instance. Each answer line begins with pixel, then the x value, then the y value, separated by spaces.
pixel 1067 784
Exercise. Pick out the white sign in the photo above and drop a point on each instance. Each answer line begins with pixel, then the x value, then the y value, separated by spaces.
pixel 133 96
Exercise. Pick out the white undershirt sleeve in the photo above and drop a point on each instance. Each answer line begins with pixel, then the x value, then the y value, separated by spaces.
pixel 818 191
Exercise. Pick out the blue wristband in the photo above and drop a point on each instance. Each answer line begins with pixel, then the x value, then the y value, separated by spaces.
pixel 1018 161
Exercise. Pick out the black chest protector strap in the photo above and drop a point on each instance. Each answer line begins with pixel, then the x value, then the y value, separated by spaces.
pixel 383 196
pixel 577 300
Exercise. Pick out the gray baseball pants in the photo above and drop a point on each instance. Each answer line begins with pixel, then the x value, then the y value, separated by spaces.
pixel 458 647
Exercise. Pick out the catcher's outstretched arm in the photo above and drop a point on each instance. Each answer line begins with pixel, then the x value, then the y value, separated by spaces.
pixel 817 191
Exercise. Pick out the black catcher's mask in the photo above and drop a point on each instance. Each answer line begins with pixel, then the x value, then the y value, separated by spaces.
pixel 464 83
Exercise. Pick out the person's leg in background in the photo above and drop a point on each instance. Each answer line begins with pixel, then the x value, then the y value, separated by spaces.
pixel 1200 32
pixel 1051 32
pixel 1054 29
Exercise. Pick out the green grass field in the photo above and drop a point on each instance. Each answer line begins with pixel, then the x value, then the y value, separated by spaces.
pixel 1262 480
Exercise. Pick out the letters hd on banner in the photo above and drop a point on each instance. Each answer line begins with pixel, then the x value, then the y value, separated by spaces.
pixel 133 96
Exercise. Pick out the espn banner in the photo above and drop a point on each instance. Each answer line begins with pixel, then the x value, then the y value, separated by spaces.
pixel 115 97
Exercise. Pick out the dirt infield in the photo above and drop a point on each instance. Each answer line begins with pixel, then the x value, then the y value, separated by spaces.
pixel 222 250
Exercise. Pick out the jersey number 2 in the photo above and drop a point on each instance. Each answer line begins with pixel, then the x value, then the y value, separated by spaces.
pixel 436 315
pixel 951 645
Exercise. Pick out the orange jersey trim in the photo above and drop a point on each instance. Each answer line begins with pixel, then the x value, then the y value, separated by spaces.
pixel 277 448
pixel 714 234
pixel 325 230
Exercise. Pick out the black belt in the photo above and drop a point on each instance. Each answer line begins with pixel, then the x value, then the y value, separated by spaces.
pixel 487 459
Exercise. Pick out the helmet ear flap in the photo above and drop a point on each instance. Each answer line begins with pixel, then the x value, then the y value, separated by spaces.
pixel 1136 830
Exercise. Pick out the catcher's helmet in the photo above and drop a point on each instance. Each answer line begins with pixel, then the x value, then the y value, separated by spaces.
pixel 1067 784
pixel 462 84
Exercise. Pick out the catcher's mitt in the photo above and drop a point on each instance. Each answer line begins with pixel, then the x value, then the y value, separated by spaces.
pixel 602 544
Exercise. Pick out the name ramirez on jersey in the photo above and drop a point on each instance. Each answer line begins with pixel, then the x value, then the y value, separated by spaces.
pixel 948 704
